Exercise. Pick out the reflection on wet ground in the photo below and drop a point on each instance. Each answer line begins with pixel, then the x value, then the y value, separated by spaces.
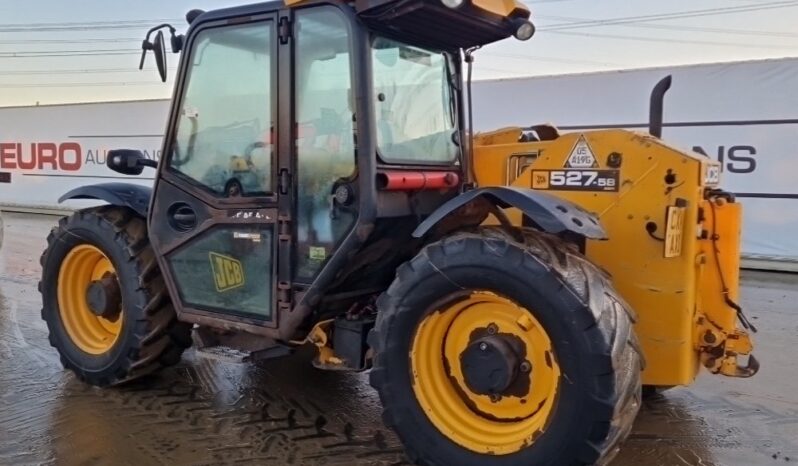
pixel 285 412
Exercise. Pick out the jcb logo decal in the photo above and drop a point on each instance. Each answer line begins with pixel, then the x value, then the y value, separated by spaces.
pixel 228 273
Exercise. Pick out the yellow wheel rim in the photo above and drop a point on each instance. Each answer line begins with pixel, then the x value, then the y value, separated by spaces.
pixel 498 425
pixel 81 266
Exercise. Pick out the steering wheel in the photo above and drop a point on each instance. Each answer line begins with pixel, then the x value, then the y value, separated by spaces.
pixel 251 148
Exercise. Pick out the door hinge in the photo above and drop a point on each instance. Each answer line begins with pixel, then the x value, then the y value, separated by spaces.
pixel 284 296
pixel 284 30
pixel 284 269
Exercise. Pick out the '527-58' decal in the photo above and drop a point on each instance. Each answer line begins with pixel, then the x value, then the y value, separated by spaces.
pixel 576 180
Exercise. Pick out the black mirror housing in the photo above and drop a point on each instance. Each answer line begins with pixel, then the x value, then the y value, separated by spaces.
pixel 159 50
pixel 128 161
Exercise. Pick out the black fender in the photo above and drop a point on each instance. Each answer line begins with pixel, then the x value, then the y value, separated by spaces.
pixel 549 213
pixel 119 194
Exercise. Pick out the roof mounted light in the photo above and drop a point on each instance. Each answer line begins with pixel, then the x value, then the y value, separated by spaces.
pixel 452 3
pixel 525 29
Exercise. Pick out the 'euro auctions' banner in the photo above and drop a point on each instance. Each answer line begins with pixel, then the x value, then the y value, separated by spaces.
pixel 48 150
pixel 745 115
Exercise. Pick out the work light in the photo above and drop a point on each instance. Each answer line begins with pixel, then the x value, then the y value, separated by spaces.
pixel 452 3
pixel 525 30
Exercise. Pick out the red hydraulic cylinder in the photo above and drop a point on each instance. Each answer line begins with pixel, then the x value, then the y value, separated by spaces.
pixel 416 180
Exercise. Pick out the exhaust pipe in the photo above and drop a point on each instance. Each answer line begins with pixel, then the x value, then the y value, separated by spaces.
pixel 657 106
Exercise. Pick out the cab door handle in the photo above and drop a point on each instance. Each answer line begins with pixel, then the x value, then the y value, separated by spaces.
pixel 183 218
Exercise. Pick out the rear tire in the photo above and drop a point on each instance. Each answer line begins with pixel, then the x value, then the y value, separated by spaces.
pixel 589 325
pixel 149 335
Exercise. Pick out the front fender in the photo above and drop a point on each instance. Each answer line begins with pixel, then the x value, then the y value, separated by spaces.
pixel 549 213
pixel 120 194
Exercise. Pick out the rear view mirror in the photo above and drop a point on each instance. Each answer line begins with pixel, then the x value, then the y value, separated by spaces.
pixel 158 47
pixel 129 161
pixel 159 50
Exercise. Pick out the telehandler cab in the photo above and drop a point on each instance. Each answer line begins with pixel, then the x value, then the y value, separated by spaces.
pixel 320 184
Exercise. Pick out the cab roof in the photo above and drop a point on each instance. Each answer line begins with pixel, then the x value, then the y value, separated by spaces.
pixel 418 22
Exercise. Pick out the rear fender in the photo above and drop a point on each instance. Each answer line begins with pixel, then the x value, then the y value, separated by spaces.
pixel 548 213
pixel 119 194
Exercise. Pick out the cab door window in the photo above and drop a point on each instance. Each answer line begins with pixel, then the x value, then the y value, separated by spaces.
pixel 224 135
pixel 325 140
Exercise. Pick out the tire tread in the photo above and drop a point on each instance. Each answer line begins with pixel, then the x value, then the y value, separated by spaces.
pixel 573 274
pixel 157 335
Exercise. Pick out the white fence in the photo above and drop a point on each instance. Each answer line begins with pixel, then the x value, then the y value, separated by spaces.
pixel 744 114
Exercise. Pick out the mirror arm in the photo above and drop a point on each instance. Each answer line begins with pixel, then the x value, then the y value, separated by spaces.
pixel 171 28
pixel 128 161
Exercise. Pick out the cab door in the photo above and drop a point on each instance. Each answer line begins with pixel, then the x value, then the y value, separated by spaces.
pixel 214 214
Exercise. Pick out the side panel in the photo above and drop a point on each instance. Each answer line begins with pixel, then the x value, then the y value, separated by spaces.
pixel 651 177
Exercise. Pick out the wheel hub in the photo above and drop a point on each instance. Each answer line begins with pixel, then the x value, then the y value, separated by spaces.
pixel 473 363
pixel 88 291
pixel 104 297
pixel 490 365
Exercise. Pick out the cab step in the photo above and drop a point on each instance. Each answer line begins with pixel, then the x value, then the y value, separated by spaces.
pixel 225 354
pixel 236 348
pixel 240 356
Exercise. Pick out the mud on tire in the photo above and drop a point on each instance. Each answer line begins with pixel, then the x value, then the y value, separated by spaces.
pixel 150 336
pixel 589 324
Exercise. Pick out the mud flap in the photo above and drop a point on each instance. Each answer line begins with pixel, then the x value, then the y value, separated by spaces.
pixel 548 213
pixel 119 194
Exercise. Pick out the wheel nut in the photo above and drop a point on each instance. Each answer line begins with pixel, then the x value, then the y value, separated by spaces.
pixel 492 329
pixel 495 398
pixel 483 346
pixel 526 366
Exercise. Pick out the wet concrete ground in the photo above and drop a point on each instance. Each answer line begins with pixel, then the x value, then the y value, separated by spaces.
pixel 279 412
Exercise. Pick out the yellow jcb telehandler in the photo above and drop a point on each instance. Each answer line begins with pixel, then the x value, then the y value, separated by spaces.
pixel 513 293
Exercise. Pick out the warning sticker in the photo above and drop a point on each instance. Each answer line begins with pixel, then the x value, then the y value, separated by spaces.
pixel 581 155
pixel 317 253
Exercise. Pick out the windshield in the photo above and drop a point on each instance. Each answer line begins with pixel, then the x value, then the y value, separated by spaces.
pixel 415 106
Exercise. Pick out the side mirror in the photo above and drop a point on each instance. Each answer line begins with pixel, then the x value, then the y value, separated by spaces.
pixel 159 50
pixel 128 161
pixel 158 47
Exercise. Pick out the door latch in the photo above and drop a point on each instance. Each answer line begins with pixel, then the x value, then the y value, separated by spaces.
pixel 284 181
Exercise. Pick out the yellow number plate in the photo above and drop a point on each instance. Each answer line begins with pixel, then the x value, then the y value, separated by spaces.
pixel 674 231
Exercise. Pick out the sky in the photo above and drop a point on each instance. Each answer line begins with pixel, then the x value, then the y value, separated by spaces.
pixel 55 51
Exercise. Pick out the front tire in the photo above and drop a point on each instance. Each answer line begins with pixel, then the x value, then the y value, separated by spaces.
pixel 485 291
pixel 137 331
